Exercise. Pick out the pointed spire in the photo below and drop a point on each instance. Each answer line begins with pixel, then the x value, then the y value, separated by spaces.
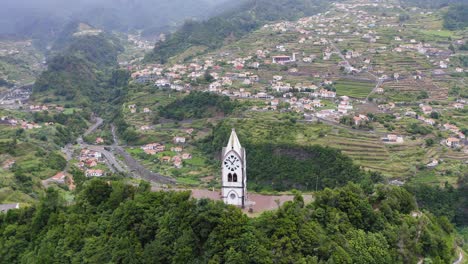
pixel 234 142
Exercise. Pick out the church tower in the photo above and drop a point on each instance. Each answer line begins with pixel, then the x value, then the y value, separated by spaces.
pixel 234 176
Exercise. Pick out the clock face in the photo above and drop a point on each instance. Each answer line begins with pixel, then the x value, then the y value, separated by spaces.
pixel 232 163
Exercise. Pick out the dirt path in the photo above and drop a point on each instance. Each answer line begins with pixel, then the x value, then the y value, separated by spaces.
pixel 460 257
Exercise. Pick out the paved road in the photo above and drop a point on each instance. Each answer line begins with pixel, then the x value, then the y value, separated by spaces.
pixel 136 169
pixel 91 129
pixel 110 157
pixel 139 171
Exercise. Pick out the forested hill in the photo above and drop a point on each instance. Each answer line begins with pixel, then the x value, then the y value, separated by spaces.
pixel 83 73
pixel 456 17
pixel 112 222
pixel 278 163
pixel 430 3
pixel 231 25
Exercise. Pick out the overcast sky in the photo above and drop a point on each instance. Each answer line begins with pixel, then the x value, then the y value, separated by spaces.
pixel 16 14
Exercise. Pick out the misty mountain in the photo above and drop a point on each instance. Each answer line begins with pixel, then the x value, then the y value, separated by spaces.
pixel 39 18
pixel 233 24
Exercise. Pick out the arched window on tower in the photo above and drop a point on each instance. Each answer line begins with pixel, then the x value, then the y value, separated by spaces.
pixel 229 177
pixel 234 177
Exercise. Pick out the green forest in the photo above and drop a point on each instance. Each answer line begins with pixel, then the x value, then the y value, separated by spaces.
pixel 229 26
pixel 112 222
pixel 277 166
pixel 431 3
pixel 198 105
pixel 457 17
pixel 83 74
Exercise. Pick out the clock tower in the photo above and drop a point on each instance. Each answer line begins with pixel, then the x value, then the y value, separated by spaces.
pixel 234 176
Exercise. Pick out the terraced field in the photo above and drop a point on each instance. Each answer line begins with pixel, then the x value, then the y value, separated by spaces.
pixel 353 88
pixel 434 91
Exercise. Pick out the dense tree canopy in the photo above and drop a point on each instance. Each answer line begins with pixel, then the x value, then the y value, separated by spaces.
pixel 119 223
pixel 84 73
pixel 280 166
pixel 456 17
pixel 198 105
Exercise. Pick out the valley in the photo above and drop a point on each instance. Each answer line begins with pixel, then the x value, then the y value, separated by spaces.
pixel 352 116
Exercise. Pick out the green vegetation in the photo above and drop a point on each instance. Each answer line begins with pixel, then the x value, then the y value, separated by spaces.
pixel 457 17
pixel 431 3
pixel 198 105
pixel 35 152
pixel 447 201
pixel 119 223
pixel 353 88
pixel 83 74
pixel 285 166
pixel 232 25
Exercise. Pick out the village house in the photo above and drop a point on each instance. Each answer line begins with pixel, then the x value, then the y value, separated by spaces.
pixel 177 149
pixel 8 164
pixel 254 78
pixel 433 163
pixel 145 128
pixel 59 178
pixel 4 208
pixel 452 142
pixel 263 95
pixel 186 156
pixel 452 128
pixel 90 163
pixel 87 153
pixel 317 103
pixel 214 87
pixel 27 126
pixel 178 140
pixel 177 161
pixel 327 94
pixel 245 94
pixel 411 113
pixel 99 140
pixel 344 105
pixel 189 131
pixel 360 119
pixel 283 59
pixel 94 173
pixel 36 108
pixel 391 138
pixel 277 78
pixel 274 102
pixel 166 159
pixel 8 121
pixel 427 109
pixel 153 148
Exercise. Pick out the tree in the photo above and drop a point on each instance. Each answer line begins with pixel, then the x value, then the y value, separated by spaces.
pixel 435 115
pixel 429 142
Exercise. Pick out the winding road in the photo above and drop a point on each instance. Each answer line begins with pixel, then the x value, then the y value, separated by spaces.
pixel 129 165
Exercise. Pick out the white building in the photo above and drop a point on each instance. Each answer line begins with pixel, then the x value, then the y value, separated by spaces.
pixel 234 173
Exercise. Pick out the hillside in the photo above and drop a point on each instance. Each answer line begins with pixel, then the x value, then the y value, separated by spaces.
pixel 457 17
pixel 83 72
pixel 232 25
pixel 278 163
pixel 114 222
pixel 431 3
